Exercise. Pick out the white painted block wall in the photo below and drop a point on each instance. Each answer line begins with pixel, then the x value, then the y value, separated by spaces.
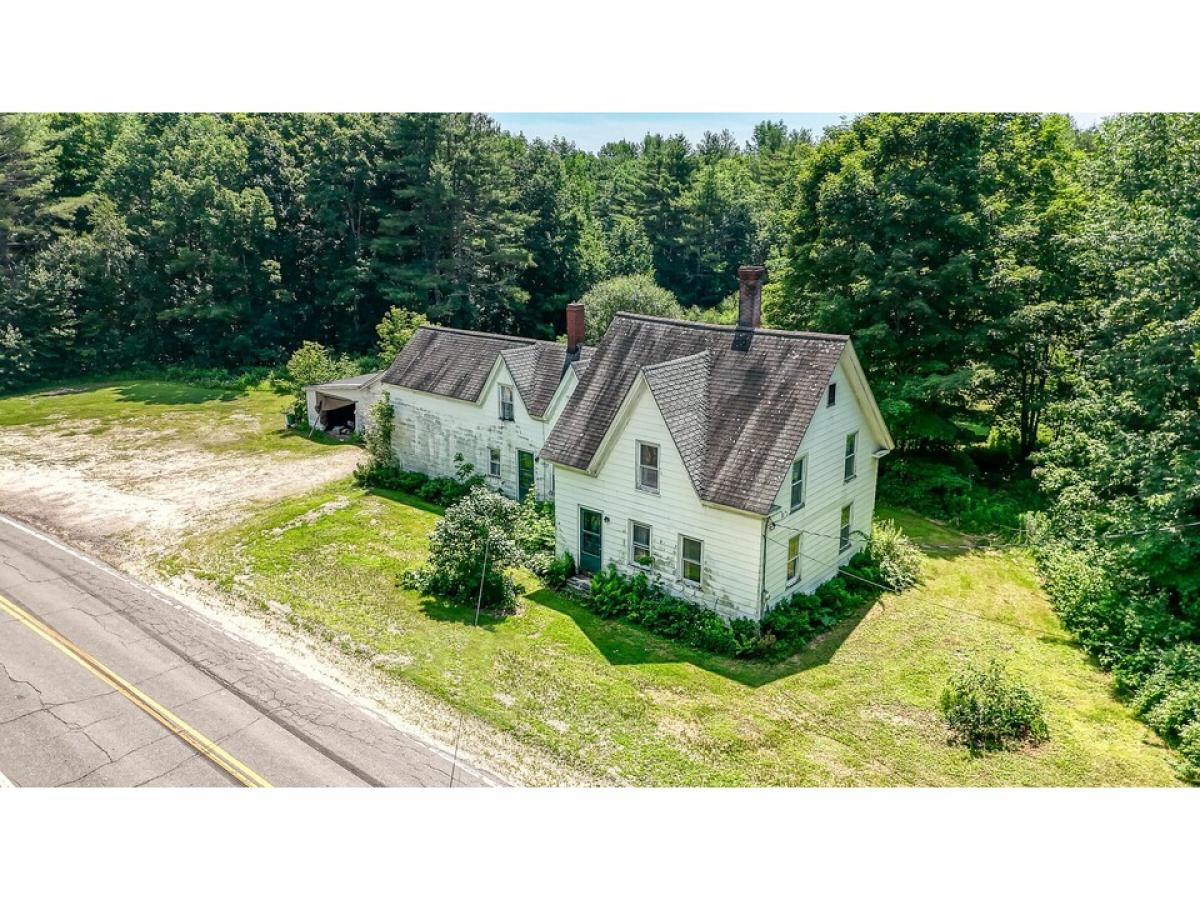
pixel 430 429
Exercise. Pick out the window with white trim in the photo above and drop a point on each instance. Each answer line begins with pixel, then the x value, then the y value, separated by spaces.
pixel 831 397
pixel 494 462
pixel 691 559
pixel 647 467
pixel 639 544
pixel 506 402
pixel 851 451
pixel 844 529
pixel 793 559
pixel 798 468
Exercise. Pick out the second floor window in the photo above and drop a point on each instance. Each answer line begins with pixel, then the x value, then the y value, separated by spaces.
pixel 494 462
pixel 798 484
pixel 506 402
pixel 851 450
pixel 647 467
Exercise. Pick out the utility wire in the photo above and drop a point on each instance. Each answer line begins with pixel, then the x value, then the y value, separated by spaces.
pixel 478 605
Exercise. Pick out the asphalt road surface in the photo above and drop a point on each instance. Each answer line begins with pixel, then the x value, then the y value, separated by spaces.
pixel 106 682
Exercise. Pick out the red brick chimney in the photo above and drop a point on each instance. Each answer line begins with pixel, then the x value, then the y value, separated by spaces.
pixel 574 326
pixel 750 296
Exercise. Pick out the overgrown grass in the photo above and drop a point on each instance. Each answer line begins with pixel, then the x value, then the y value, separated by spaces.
pixel 215 418
pixel 858 707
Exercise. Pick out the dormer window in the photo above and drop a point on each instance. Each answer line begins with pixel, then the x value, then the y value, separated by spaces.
pixel 506 403
pixel 831 397
pixel 647 467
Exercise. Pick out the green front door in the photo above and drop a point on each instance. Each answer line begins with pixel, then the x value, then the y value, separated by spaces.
pixel 524 473
pixel 590 542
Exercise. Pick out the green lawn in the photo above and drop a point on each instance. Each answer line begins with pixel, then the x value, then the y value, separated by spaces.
pixel 162 412
pixel 858 708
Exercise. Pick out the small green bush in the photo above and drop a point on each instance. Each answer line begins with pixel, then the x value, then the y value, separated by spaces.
pixel 381 423
pixel 442 491
pixel 645 603
pixel 536 534
pixel 557 573
pixel 896 558
pixel 786 627
pixel 1189 749
pixel 985 708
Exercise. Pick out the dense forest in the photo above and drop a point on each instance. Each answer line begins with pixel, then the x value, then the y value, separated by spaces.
pixel 1025 296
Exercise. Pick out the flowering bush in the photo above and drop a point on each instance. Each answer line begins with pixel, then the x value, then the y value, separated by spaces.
pixel 478 528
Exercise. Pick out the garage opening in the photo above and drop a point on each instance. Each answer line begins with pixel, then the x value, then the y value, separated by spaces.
pixel 336 415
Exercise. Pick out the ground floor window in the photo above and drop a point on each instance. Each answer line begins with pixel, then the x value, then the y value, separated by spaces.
pixel 691 553
pixel 494 462
pixel 844 534
pixel 793 559
pixel 639 544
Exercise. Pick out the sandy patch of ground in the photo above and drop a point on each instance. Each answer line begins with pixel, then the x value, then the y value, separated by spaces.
pixel 132 490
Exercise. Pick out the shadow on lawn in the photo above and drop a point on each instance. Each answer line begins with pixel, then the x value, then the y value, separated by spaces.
pixel 441 610
pixel 172 393
pixel 623 644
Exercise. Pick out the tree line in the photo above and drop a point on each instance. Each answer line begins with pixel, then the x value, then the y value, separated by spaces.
pixel 226 240
pixel 1010 282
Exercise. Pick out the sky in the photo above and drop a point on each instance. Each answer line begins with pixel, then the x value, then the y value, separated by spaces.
pixel 590 131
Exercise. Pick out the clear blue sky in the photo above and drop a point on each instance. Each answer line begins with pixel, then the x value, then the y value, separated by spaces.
pixel 590 131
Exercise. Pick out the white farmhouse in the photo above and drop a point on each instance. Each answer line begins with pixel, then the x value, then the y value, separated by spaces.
pixel 736 463
pixel 491 399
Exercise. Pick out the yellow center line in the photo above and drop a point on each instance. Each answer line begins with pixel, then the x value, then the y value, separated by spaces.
pixel 151 707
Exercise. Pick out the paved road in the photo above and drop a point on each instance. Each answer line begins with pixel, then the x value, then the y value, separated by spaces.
pixel 105 682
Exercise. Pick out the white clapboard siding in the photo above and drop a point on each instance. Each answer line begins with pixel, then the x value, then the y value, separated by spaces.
pixel 826 493
pixel 732 540
pixel 738 556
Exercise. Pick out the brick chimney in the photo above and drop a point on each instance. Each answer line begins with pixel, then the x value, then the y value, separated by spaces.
pixel 574 327
pixel 750 296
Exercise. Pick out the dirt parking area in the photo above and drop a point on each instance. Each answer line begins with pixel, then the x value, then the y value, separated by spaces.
pixel 133 485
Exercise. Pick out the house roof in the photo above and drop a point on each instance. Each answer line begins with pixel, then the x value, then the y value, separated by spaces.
pixel 736 401
pixel 537 369
pixel 456 363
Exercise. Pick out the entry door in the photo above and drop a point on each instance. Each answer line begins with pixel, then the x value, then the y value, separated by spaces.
pixel 524 473
pixel 590 539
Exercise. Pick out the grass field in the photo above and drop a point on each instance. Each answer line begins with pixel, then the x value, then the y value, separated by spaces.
pixel 144 412
pixel 857 708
